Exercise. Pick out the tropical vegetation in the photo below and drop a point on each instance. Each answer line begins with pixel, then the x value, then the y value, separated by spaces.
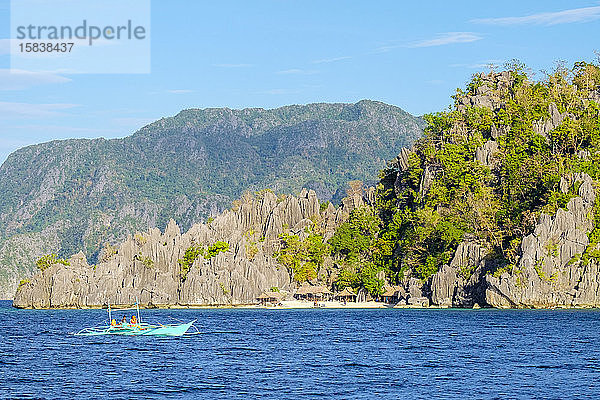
pixel 445 194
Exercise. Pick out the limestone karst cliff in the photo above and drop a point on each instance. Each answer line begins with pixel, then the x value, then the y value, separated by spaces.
pixel 549 272
pixel 497 205
pixel 146 266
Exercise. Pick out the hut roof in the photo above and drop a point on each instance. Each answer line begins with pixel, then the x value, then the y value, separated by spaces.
pixel 346 293
pixel 310 289
pixel 304 289
pixel 320 290
pixel 391 291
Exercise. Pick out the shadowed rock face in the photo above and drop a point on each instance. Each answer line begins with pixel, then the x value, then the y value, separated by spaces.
pixel 549 273
pixel 236 276
pixel 458 284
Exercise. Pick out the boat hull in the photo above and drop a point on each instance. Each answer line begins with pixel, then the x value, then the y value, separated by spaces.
pixel 168 330
pixel 139 330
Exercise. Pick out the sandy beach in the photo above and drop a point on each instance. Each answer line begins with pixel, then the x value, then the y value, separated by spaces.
pixel 287 304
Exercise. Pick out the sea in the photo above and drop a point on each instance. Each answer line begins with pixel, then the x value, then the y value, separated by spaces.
pixel 305 354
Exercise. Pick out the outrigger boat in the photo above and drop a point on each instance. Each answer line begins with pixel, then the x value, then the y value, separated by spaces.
pixel 139 328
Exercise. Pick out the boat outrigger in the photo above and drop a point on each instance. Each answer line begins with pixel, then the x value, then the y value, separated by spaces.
pixel 138 328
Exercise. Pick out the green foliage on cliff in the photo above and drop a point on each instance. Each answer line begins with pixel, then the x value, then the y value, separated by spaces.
pixel 193 252
pixel 49 260
pixel 215 248
pixel 358 248
pixel 148 262
pixel 189 257
pixel 354 238
pixel 355 248
pixel 303 256
pixel 22 283
pixel 447 194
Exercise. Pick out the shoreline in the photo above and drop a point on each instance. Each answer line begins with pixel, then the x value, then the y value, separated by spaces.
pixel 301 304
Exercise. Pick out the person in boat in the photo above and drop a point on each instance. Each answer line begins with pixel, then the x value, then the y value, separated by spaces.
pixel 133 320
pixel 124 320
pixel 113 322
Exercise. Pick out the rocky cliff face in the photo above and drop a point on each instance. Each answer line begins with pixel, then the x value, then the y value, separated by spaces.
pixel 550 272
pixel 146 266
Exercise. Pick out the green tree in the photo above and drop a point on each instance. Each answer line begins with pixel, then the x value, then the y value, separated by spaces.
pixel 357 245
pixel 48 260
pixel 303 257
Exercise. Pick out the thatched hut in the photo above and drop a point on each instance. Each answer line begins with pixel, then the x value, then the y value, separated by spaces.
pixel 303 292
pixel 321 293
pixel 391 294
pixel 313 293
pixel 346 295
pixel 269 297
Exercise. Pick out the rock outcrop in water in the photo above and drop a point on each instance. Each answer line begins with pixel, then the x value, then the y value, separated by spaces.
pixel 146 266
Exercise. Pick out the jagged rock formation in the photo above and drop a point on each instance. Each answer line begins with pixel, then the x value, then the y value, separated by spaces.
pixel 76 195
pixel 458 284
pixel 146 267
pixel 486 95
pixel 543 127
pixel 550 272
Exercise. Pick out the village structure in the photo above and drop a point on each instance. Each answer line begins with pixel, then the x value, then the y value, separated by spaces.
pixel 316 295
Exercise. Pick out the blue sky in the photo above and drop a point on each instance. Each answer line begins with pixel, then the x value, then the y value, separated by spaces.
pixel 276 52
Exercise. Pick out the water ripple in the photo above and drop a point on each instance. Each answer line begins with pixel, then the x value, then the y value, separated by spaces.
pixel 306 354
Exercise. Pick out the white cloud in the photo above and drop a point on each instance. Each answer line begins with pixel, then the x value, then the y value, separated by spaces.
pixel 330 60
pixel 29 110
pixel 297 71
pixel 232 65
pixel 478 65
pixel 448 38
pixel 180 91
pixel 385 49
pixel 585 14
pixel 18 79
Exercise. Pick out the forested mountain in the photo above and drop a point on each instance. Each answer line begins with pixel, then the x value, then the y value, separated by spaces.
pixel 73 195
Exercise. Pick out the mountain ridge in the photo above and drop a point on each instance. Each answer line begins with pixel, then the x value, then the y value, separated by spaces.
pixel 78 194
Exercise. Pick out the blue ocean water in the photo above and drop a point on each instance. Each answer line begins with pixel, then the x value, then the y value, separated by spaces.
pixel 306 354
